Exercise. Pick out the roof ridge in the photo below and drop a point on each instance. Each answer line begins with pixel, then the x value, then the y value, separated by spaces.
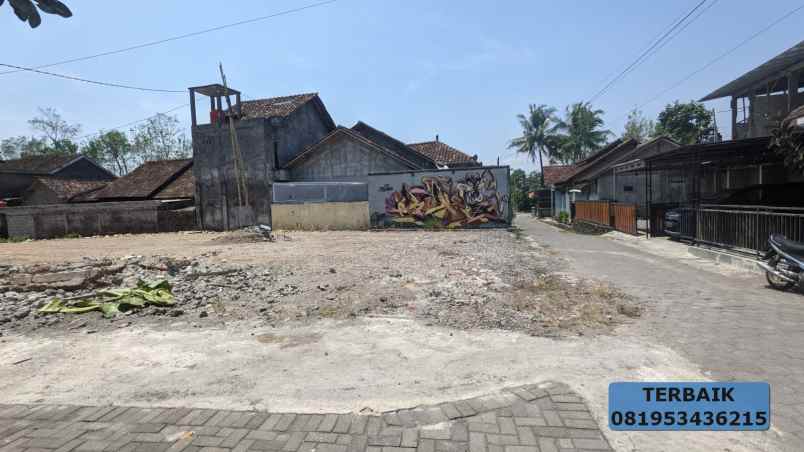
pixel 315 93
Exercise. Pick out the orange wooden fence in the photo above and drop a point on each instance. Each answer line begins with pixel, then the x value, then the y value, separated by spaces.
pixel 625 217
pixel 620 216
pixel 593 212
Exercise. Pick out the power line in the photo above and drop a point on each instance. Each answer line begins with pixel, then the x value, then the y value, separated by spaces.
pixel 647 51
pixel 681 30
pixel 176 38
pixel 723 55
pixel 94 82
pixel 131 123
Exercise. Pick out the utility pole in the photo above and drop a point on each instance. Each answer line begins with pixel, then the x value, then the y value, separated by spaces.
pixel 242 188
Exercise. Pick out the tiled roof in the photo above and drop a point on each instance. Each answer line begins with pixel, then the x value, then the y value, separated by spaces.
pixel 182 187
pixel 443 154
pixel 145 181
pixel 274 106
pixel 68 189
pixel 558 173
pixel 39 164
pixel 393 145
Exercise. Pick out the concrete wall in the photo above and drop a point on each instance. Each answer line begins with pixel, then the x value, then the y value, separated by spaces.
pixel 262 142
pixel 307 192
pixel 455 198
pixel 344 158
pixel 216 197
pixel 321 216
pixel 60 220
pixel 301 129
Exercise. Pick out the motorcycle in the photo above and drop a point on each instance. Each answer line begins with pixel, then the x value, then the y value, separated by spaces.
pixel 783 263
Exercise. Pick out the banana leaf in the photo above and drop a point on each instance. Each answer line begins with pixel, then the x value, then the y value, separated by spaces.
pixel 113 301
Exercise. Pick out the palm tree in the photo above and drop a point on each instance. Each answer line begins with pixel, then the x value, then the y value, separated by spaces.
pixel 582 134
pixel 539 135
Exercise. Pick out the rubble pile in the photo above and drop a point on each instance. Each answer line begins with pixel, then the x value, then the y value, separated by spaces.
pixel 198 287
pixel 488 279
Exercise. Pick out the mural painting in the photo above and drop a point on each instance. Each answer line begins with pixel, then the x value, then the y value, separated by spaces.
pixel 441 202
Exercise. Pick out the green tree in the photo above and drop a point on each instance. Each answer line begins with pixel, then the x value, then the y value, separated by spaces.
pixel 522 185
pixel 788 140
pixel 583 132
pixel 159 138
pixel 11 148
pixel 22 146
pixel 684 122
pixel 26 11
pixel 539 134
pixel 638 127
pixel 111 149
pixel 519 193
pixel 56 133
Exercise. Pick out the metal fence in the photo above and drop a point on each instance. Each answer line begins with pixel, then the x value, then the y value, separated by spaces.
pixel 620 216
pixel 593 211
pixel 744 228
pixel 624 217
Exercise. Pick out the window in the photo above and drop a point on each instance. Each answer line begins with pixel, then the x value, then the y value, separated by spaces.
pixel 276 155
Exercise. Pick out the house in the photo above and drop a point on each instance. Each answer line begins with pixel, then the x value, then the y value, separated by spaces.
pixel 54 190
pixel 445 155
pixel 762 97
pixel 283 161
pixel 17 175
pixel 578 182
pixel 352 154
pixel 234 177
pixel 158 179
pixel 615 174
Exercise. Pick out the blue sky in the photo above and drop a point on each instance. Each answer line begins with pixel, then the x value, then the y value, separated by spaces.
pixel 413 68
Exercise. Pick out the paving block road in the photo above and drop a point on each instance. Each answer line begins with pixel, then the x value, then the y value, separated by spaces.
pixel 544 417
pixel 733 326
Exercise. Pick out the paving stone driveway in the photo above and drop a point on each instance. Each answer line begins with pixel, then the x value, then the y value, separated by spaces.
pixel 544 417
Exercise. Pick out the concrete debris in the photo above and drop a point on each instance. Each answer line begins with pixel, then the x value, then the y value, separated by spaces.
pixel 488 280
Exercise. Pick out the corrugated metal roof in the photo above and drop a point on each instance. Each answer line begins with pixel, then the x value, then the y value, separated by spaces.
pixel 770 68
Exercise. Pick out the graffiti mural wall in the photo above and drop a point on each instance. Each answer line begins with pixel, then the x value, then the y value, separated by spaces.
pixel 448 199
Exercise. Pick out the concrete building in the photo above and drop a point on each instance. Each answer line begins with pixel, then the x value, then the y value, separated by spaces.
pixel 240 153
pixel 352 154
pixel 762 97
pixel 284 157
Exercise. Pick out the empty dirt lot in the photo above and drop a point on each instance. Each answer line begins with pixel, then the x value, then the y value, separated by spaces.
pixel 327 322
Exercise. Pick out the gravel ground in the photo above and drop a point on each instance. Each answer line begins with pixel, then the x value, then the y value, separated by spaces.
pixel 470 279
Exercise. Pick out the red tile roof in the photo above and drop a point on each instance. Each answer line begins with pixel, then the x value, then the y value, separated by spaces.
pixel 67 189
pixel 558 173
pixel 145 181
pixel 443 154
pixel 274 106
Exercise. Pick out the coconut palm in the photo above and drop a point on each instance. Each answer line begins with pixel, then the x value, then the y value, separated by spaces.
pixel 539 135
pixel 582 133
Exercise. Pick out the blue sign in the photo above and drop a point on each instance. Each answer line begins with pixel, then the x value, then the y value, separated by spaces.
pixel 689 406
